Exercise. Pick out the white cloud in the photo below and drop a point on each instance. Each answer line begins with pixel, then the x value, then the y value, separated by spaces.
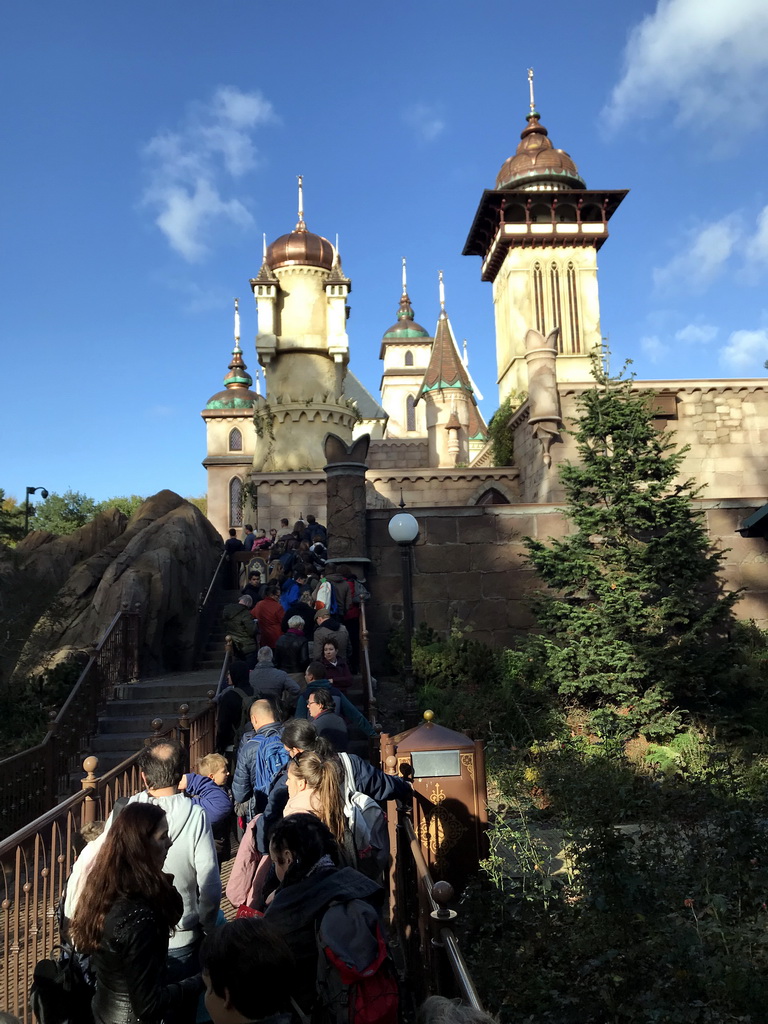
pixel 188 168
pixel 652 347
pixel 696 334
pixel 757 246
pixel 746 350
pixel 706 58
pixel 425 120
pixel 702 257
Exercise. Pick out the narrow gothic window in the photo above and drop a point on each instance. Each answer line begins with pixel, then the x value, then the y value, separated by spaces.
pixel 573 309
pixel 409 358
pixel 492 497
pixel 538 297
pixel 235 501
pixel 410 413
pixel 557 320
pixel 235 440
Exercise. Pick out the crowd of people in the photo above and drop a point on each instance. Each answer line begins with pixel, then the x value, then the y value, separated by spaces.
pixel 301 814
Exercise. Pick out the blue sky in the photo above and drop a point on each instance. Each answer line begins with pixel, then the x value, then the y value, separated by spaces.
pixel 147 146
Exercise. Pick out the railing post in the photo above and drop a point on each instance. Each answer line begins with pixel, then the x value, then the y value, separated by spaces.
pixel 442 894
pixel 156 726
pixel 184 727
pixel 88 813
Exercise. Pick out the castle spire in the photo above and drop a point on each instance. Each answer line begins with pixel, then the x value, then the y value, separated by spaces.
pixel 301 226
pixel 237 326
pixel 442 292
pixel 530 90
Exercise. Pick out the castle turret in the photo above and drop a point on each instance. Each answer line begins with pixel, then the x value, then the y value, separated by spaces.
pixel 405 349
pixel 301 299
pixel 538 234
pixel 455 427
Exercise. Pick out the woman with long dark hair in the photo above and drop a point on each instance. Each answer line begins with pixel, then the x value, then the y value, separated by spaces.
pixel 125 914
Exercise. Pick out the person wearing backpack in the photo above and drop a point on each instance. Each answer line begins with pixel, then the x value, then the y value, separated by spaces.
pixel 329 918
pixel 233 705
pixel 299 735
pixel 259 758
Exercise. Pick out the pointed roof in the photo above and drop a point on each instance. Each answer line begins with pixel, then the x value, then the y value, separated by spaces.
pixel 446 368
pixel 237 383
pixel 446 371
pixel 537 164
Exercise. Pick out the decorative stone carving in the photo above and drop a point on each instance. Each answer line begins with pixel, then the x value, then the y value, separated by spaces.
pixel 543 396
pixel 345 480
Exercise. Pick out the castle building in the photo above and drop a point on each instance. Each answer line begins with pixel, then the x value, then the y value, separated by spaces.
pixel 537 234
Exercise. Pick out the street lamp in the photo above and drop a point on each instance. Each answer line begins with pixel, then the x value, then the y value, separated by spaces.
pixel 404 529
pixel 31 490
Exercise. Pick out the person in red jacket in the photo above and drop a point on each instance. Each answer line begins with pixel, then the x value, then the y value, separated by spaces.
pixel 269 614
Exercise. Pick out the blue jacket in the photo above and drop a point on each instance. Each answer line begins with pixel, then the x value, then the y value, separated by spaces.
pixel 215 800
pixel 260 757
pixel 369 780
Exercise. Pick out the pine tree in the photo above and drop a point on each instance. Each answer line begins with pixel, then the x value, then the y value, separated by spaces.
pixel 636 620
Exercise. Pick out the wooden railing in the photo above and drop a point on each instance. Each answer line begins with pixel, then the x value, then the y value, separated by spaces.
pixel 35 779
pixel 36 860
pixel 208 606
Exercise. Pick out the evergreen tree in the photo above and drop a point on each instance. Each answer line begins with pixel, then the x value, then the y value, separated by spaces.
pixel 11 519
pixel 639 621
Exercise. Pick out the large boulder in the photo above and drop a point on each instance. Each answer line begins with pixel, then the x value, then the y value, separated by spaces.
pixel 160 563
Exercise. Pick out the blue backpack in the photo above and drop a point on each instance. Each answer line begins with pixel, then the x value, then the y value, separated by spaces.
pixel 269 758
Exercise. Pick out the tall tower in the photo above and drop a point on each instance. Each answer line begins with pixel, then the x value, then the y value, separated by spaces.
pixel 301 299
pixel 456 430
pixel 229 421
pixel 538 233
pixel 405 350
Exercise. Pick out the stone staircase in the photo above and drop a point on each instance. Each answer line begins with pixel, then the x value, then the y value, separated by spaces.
pixel 126 722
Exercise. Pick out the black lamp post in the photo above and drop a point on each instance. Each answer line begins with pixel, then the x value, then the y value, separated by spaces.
pixel 31 490
pixel 404 529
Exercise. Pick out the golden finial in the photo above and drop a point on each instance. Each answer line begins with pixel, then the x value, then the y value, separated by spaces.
pixel 428 716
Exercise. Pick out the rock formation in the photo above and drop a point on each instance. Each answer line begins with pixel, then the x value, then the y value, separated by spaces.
pixel 160 560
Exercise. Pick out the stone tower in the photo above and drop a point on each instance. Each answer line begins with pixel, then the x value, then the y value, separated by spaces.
pixel 229 422
pixel 456 430
pixel 301 299
pixel 538 234
pixel 405 351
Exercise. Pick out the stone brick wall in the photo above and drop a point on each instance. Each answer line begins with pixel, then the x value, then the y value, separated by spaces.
pixel 470 563
pixel 408 453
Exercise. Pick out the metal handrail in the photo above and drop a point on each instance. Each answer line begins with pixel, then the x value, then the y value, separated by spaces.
pixel 370 706
pixel 447 935
pixel 204 600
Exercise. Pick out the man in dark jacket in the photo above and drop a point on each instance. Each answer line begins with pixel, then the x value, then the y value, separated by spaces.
pixel 328 723
pixel 244 630
pixel 292 649
pixel 230 708
pixel 315 680
pixel 260 757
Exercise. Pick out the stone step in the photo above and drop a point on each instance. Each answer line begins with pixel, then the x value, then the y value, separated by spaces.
pixel 160 707
pixel 185 691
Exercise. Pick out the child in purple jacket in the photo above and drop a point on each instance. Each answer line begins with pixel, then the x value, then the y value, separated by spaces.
pixel 208 787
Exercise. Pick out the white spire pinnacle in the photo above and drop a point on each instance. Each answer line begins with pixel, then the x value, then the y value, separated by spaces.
pixel 466 354
pixel 530 89
pixel 442 291
pixel 257 377
pixel 301 200
pixel 405 285
pixel 237 325
pixel 264 246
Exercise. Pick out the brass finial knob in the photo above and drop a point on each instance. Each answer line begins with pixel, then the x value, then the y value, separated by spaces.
pixel 428 716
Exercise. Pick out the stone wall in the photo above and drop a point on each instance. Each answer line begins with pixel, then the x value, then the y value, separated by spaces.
pixel 405 453
pixel 725 424
pixel 427 487
pixel 286 495
pixel 470 563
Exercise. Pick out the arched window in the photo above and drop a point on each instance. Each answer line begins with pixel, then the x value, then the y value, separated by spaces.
pixel 573 309
pixel 554 287
pixel 492 497
pixel 409 358
pixel 538 297
pixel 235 440
pixel 410 413
pixel 235 501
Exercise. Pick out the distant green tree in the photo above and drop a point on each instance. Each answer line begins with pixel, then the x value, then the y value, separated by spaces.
pixel 63 513
pixel 11 519
pixel 636 624
pixel 124 504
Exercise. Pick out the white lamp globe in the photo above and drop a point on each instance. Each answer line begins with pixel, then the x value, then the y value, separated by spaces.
pixel 403 528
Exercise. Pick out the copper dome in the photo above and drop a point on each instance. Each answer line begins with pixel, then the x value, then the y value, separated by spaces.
pixel 300 248
pixel 537 163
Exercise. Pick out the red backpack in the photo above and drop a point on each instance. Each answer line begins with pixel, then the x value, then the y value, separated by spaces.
pixel 356 978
